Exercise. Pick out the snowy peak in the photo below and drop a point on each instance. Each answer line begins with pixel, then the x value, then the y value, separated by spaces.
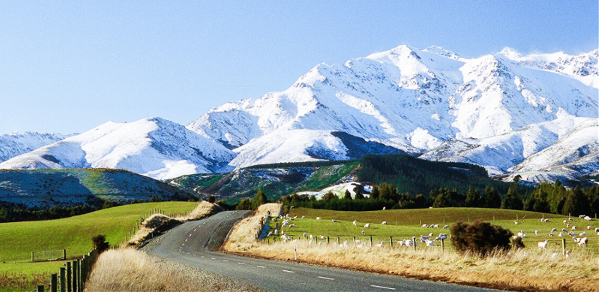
pixel 15 144
pixel 154 147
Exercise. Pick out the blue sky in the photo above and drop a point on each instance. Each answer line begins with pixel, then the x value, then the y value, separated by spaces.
pixel 68 66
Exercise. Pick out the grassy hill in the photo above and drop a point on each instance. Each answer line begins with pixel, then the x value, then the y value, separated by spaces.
pixel 68 187
pixel 406 173
pixel 275 180
pixel 74 234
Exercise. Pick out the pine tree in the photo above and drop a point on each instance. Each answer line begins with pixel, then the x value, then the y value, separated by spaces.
pixel 492 198
pixel 576 203
pixel 512 200
pixel 472 198
pixel 347 195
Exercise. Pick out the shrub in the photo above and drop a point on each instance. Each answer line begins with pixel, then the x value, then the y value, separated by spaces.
pixel 517 243
pixel 100 243
pixel 480 238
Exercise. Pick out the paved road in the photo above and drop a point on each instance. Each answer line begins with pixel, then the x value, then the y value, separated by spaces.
pixel 194 243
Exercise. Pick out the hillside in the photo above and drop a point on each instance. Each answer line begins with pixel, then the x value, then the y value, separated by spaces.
pixel 68 187
pixel 407 173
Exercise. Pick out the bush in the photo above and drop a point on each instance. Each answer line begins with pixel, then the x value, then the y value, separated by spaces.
pixel 517 243
pixel 480 238
pixel 100 243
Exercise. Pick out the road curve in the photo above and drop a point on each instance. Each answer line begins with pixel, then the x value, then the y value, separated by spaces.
pixel 194 243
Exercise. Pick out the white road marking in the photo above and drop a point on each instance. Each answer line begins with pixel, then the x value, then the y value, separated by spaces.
pixel 382 287
pixel 326 278
pixel 213 258
pixel 225 260
pixel 287 271
pixel 241 263
pixel 261 267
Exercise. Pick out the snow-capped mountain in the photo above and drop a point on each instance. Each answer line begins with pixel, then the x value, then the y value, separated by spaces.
pixel 496 110
pixel 15 144
pixel 511 113
pixel 153 147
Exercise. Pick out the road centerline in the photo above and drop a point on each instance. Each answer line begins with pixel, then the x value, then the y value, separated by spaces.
pixel 382 287
pixel 326 278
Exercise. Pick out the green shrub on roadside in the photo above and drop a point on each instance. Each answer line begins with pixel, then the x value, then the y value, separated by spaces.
pixel 480 238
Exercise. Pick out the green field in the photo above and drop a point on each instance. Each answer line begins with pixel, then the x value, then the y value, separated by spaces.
pixel 74 234
pixel 404 224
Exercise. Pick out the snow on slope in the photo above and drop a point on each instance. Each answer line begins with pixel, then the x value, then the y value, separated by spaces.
pixel 12 145
pixel 495 110
pixel 153 147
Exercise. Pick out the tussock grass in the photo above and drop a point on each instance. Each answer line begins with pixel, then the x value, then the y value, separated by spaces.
pixel 244 235
pixel 527 269
pixel 159 223
pixel 132 270
pixel 21 281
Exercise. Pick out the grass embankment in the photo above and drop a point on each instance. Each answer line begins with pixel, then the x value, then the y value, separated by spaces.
pixel 132 270
pixel 74 234
pixel 244 235
pixel 528 269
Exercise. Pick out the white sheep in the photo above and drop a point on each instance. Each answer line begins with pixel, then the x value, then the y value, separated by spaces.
pixel 384 223
pixel 568 253
pixel 583 241
pixel 536 232
pixel 355 223
pixel 543 244
pixel 333 220
pixel 436 226
pixel 582 234
pixel 367 225
pixel 430 243
pixel 560 234
pixel 554 230
pixel 305 234
pixel 424 226
pixel 573 228
pixel 516 222
pixel 596 229
pixel 587 218
pixel 363 232
pixel 446 227
pixel 380 244
pixel 555 255
pixel 317 218
pixel 565 221
pixel 303 217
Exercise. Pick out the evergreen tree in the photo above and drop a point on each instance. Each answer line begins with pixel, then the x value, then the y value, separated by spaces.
pixel 375 193
pixel 472 198
pixel 576 203
pixel 259 199
pixel 329 196
pixel 347 195
pixel 491 198
pixel 512 200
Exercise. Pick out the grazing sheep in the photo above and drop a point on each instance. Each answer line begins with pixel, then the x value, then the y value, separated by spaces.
pixel 576 239
pixel 355 223
pixel 546 220
pixel 561 234
pixel 424 226
pixel 305 234
pixel 446 227
pixel 571 219
pixel 564 230
pixel 334 220
pixel 587 218
pixel 400 243
pixel 583 242
pixel 408 242
pixel 573 228
pixel 596 229
pixel 367 225
pixel 543 244
pixel 430 243
pixel 589 227
pixel 565 221
pixel 550 234
pixel 568 253
pixel 516 222
pixel 384 208
pixel 554 255
pixel 311 237
pixel 380 244
pixel 317 218
pixel 363 232
pixel 384 223
pixel 554 230
pixel 581 216
pixel 303 217
pixel 536 232
pixel 345 244
pixel 582 234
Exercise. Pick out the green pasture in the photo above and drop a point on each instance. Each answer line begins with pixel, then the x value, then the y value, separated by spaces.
pixel 19 239
pixel 404 224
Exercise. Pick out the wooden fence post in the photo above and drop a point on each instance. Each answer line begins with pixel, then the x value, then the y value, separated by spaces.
pixel 69 275
pixel 327 240
pixel 63 280
pixel 75 275
pixel 79 277
pixel 33 256
pixel 563 246
pixel 40 288
pixel 354 241
pixel 337 240
pixel 64 254
pixel 414 242
pixel 371 241
pixel 391 241
pixel 442 245
pixel 54 283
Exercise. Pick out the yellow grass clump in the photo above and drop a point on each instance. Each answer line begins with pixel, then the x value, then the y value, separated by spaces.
pixel 514 270
pixel 161 223
pixel 132 270
pixel 244 235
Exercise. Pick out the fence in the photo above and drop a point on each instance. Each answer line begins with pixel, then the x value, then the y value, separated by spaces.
pixel 73 275
pixel 49 255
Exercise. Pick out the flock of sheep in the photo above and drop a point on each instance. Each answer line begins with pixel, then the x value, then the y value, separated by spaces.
pixel 429 240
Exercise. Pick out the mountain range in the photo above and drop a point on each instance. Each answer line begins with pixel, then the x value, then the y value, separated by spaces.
pixel 535 116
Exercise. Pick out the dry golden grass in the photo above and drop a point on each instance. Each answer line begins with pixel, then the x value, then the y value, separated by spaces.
pixel 244 235
pixel 132 270
pixel 160 223
pixel 517 270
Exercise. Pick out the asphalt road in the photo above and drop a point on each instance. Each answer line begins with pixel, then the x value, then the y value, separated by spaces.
pixel 194 243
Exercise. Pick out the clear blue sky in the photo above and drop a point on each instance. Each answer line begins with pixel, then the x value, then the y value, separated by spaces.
pixel 68 66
